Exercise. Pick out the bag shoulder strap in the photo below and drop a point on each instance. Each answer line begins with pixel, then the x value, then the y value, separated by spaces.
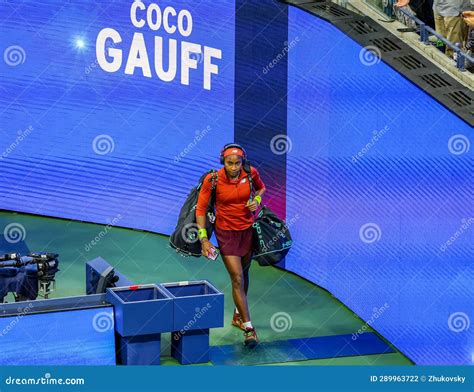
pixel 213 179
pixel 248 170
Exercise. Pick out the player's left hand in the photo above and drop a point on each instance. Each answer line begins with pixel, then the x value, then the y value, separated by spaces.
pixel 252 205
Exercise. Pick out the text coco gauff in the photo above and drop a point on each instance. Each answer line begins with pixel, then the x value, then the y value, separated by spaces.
pixel 181 57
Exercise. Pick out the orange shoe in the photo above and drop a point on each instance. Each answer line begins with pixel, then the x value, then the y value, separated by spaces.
pixel 250 337
pixel 237 321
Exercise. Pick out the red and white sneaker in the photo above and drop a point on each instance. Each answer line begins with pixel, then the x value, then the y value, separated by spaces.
pixel 250 337
pixel 237 321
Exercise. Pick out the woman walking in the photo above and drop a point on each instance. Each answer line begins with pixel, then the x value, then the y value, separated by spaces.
pixel 234 206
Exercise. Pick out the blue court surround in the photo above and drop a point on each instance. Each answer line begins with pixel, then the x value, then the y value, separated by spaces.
pixel 300 350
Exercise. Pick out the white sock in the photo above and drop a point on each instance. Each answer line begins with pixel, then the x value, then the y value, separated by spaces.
pixel 237 311
pixel 248 324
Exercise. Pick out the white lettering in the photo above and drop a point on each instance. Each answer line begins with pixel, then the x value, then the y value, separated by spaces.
pixel 186 61
pixel 170 74
pixel 138 56
pixel 210 68
pixel 189 23
pixel 154 25
pixel 168 57
pixel 115 54
pixel 133 14
pixel 169 29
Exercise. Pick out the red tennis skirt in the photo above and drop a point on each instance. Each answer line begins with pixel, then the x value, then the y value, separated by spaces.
pixel 234 242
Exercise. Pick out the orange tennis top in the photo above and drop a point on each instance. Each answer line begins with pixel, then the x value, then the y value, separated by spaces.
pixel 231 197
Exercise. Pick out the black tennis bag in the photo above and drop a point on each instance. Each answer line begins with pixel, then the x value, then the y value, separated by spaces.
pixel 271 238
pixel 184 239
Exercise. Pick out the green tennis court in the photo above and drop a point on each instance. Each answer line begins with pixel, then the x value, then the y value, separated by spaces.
pixel 306 309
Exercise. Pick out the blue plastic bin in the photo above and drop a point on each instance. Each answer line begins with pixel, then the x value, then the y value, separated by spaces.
pixel 142 312
pixel 141 309
pixel 197 305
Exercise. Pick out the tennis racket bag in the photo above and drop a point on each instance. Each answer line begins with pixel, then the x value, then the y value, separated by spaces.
pixel 184 239
pixel 271 238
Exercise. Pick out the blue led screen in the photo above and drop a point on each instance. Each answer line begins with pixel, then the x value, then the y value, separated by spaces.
pixel 379 191
pixel 110 111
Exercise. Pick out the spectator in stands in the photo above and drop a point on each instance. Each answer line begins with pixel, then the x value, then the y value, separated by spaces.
pixel 469 20
pixel 424 11
pixel 448 19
